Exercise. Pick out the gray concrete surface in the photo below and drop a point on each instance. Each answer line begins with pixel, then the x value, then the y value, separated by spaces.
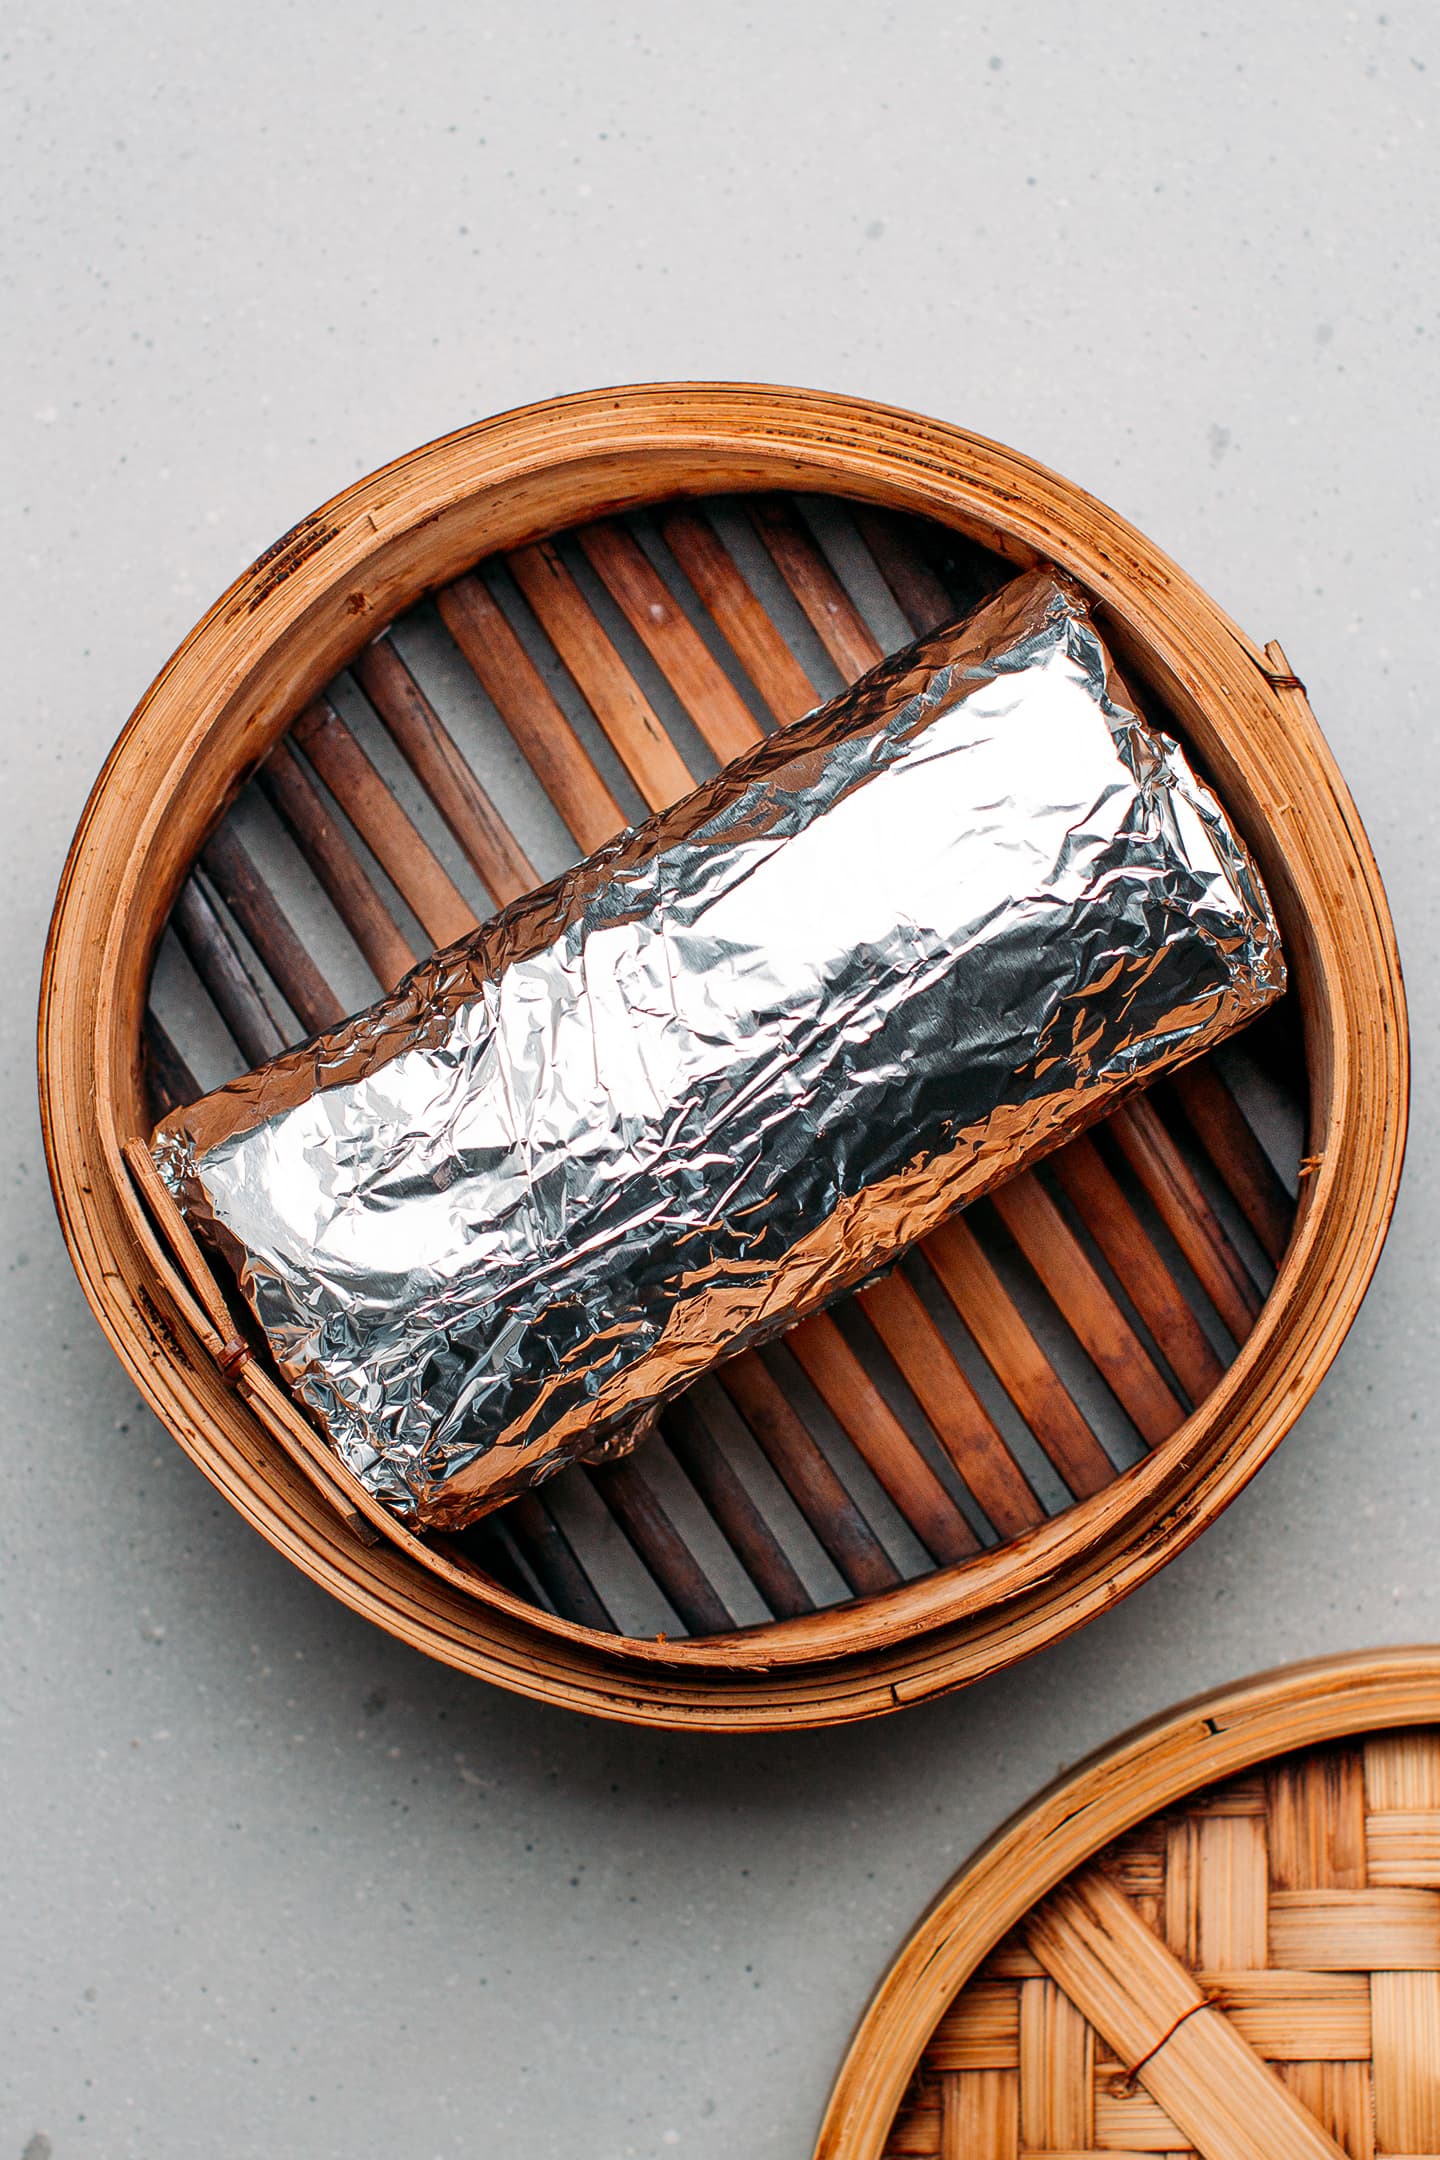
pixel 272 1885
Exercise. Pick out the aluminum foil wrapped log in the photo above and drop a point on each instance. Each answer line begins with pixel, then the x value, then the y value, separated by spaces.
pixel 733 1063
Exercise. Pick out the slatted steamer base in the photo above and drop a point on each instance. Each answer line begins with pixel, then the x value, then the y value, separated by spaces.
pixel 1250 1973
pixel 481 662
pixel 1025 1357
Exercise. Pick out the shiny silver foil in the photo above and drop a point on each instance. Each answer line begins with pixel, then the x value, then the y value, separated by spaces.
pixel 733 1063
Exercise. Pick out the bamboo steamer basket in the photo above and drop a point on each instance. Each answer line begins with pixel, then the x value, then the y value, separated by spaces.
pixel 1217 1940
pixel 1011 1433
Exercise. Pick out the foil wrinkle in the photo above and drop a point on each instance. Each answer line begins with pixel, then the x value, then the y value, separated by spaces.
pixel 733 1063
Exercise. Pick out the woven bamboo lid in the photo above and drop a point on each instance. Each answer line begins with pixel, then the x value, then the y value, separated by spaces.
pixel 1219 1939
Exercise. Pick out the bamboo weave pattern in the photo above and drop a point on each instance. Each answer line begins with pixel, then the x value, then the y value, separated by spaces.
pixel 1253 1975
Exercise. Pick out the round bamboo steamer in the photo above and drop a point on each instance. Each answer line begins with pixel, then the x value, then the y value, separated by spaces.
pixel 1218 1939
pixel 253 669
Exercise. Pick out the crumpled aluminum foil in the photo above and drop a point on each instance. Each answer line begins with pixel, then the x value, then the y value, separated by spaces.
pixel 733 1063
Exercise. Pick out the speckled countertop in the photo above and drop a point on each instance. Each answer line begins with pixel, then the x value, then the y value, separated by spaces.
pixel 275 1886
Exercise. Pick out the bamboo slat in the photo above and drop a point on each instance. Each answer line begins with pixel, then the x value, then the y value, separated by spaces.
pixel 980 2032
pixel 335 863
pixel 980 2113
pixel 962 1424
pixel 560 761
pixel 250 693
pixel 491 1548
pixel 411 865
pixel 819 1494
pixel 740 618
pixel 1056 1255
pixel 1186 1213
pixel 1018 1361
pixel 1317 1826
pixel 610 690
pixel 678 650
pixel 719 1485
pixel 1057 2069
pixel 1402 1772
pixel 552 1557
pixel 1340 2097
pixel 1405 2060
pixel 1217 1979
pixel 1216 1908
pixel 850 1393
pixel 1134 2122
pixel 920 593
pixel 170 1081
pixel 421 736
pixel 1354 1930
pixel 1219 1125
pixel 254 908
pixel 1098 1199
pixel 239 999
pixel 643 1518
pixel 1296 2016
pixel 833 616
pixel 1402 1847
